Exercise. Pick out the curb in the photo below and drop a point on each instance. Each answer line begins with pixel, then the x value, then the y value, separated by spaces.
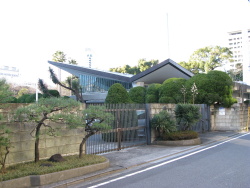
pixel 42 180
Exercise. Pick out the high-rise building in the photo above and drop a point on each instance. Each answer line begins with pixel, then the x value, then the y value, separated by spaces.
pixel 239 43
pixel 9 72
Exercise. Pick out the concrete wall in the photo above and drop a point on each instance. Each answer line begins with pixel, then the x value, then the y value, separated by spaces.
pixel 66 141
pixel 155 108
pixel 225 119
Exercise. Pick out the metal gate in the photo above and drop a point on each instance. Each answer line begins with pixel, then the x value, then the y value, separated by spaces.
pixel 129 129
pixel 204 124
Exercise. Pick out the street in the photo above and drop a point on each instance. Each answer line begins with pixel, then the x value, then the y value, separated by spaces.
pixel 223 164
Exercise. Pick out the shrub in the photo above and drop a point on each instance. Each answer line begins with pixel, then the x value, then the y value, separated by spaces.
pixel 137 94
pixel 180 135
pixel 117 94
pixel 163 123
pixel 215 87
pixel 51 93
pixel 152 93
pixel 186 115
pixel 170 90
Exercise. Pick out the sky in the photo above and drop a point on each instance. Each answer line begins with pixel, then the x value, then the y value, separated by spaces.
pixel 118 32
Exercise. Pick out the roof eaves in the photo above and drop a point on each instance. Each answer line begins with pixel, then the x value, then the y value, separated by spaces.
pixel 160 65
pixel 91 71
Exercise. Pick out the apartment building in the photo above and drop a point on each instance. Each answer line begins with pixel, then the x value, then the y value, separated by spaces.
pixel 239 43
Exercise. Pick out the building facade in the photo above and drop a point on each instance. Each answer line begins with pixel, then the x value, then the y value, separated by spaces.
pixel 239 44
pixel 96 83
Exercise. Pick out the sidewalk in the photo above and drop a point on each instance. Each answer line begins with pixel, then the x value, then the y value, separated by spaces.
pixel 136 156
pixel 143 154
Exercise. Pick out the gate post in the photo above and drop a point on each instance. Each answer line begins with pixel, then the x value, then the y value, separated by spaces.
pixel 119 139
pixel 148 127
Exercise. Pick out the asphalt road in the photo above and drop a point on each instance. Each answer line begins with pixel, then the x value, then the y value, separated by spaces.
pixel 223 165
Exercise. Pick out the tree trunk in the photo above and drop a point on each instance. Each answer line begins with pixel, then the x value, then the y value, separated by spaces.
pixel 83 142
pixel 37 155
pixel 3 162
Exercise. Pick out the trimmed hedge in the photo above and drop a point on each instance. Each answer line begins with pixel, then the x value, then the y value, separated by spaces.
pixel 181 135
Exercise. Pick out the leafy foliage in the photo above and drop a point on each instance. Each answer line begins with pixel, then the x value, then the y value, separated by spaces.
pixel 163 123
pixel 181 135
pixel 186 116
pixel 152 93
pixel 5 145
pixel 117 94
pixel 213 87
pixel 59 56
pixel 31 168
pixel 142 66
pixel 207 59
pixel 44 110
pixel 170 90
pixel 97 119
pixel 5 92
pixel 75 87
pixel 137 94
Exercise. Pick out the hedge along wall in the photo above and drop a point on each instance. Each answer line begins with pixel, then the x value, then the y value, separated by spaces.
pixel 66 141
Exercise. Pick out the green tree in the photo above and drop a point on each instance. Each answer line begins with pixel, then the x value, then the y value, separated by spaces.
pixel 207 59
pixel 74 86
pixel 44 110
pixel 237 73
pixel 59 56
pixel 170 90
pixel 142 66
pixel 5 145
pixel 97 119
pixel 117 94
pixel 22 92
pixel 152 93
pixel 215 87
pixel 5 92
pixel 137 94
pixel 72 61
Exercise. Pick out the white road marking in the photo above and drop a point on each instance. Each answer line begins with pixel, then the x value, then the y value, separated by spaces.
pixel 167 162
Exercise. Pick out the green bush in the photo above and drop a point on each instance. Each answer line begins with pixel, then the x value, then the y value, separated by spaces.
pixel 52 93
pixel 170 90
pixel 163 123
pixel 180 135
pixel 215 87
pixel 152 93
pixel 187 115
pixel 137 94
pixel 117 94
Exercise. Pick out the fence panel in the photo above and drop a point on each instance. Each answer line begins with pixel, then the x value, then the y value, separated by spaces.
pixel 204 124
pixel 128 129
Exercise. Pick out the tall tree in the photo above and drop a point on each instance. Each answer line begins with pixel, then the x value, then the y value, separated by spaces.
pixel 72 61
pixel 207 59
pixel 74 86
pixel 141 66
pixel 5 92
pixel 59 56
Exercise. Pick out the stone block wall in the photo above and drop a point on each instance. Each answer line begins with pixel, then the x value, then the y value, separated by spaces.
pixel 66 141
pixel 155 108
pixel 229 119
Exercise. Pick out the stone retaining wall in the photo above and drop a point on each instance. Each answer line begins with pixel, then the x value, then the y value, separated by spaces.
pixel 66 141
pixel 229 119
